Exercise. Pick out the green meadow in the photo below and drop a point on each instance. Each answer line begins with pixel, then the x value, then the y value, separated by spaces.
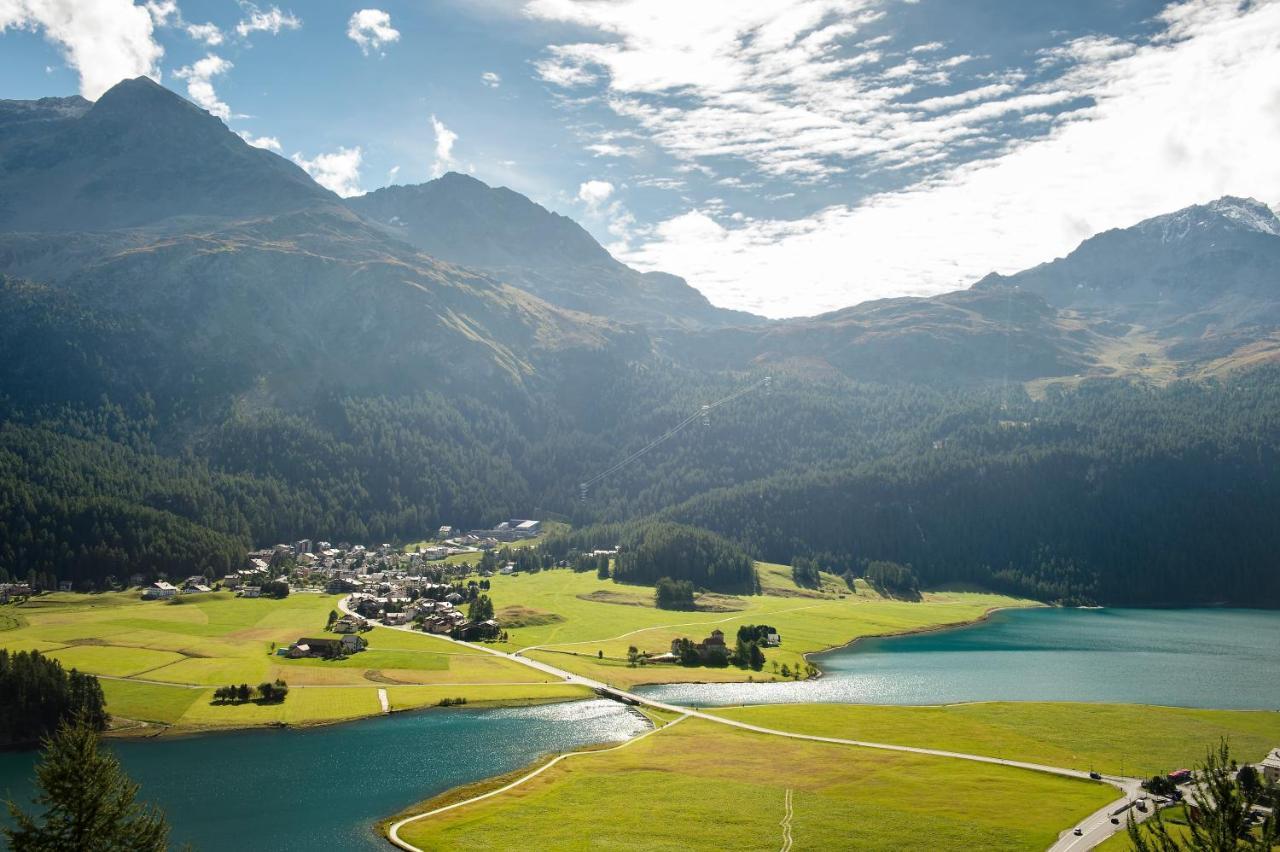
pixel 697 785
pixel 159 662
pixel 589 624
pixel 1130 739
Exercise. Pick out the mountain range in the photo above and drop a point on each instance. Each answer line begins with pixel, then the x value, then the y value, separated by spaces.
pixel 202 345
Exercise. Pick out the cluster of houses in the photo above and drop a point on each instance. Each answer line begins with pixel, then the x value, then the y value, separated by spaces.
pixel 431 607
pixel 13 591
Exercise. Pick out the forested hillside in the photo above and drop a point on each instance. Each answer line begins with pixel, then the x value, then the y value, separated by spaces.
pixel 1111 493
pixel 189 373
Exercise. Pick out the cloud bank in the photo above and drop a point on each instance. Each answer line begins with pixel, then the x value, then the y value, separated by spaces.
pixel 1122 131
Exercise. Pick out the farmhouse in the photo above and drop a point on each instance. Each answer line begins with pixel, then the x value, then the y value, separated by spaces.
pixel 327 648
pixel 1271 767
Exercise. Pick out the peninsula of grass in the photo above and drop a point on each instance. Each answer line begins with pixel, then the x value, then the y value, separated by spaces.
pixel 662 793
pixel 588 624
pixel 1130 739
pixel 159 663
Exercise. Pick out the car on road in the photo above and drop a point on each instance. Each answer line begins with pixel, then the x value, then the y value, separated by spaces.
pixel 1079 832
pixel 1096 776
pixel 1115 820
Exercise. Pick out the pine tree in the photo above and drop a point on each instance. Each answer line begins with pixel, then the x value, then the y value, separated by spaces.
pixel 86 800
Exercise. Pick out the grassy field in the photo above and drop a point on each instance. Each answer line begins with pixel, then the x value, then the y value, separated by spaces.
pixel 169 657
pixel 1136 739
pixel 599 616
pixel 698 785
pixel 160 661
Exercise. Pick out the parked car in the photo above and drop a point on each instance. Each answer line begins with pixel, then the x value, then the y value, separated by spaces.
pixel 1096 776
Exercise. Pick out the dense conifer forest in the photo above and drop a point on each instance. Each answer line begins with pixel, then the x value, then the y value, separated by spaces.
pixel 1112 491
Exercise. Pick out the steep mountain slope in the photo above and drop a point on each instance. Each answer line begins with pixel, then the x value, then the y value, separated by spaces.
pixel 462 220
pixel 137 156
pixel 1206 278
pixel 966 336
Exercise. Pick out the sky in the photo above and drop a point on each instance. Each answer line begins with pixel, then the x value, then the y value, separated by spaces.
pixel 786 158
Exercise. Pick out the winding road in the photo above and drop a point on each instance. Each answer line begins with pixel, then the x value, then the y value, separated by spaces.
pixel 1094 829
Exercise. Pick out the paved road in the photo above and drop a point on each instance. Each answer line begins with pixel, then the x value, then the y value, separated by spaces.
pixel 1098 826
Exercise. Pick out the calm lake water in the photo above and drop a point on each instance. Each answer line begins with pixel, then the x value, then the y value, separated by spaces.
pixel 324 788
pixel 1223 658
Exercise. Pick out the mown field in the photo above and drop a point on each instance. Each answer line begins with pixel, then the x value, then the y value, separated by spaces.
pixel 159 661
pixel 586 617
pixel 699 785
pixel 1134 740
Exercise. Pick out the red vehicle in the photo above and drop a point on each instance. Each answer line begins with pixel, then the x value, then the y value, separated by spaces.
pixel 1181 776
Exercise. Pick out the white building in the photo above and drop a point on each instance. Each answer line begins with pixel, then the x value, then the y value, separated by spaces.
pixel 159 590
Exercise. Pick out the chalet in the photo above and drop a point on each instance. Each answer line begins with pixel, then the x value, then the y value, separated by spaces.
pixel 394 618
pixel 772 640
pixel 194 588
pixel 351 644
pixel 231 581
pixel 349 624
pixel 64 585
pixel 251 592
pixel 444 532
pixel 259 565
pixel 471 631
pixel 1271 767
pixel 453 598
pixel 159 590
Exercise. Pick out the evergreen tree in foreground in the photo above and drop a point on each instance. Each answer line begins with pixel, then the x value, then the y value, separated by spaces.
pixel 87 802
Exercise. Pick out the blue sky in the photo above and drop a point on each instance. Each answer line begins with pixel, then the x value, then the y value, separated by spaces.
pixel 785 157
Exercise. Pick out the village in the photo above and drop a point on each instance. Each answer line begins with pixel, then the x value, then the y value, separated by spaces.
pixel 384 584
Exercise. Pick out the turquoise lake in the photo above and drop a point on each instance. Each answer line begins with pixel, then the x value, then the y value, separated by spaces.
pixel 1218 658
pixel 324 788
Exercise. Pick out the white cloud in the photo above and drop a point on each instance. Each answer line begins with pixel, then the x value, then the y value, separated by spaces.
pixel 779 84
pixel 444 147
pixel 161 11
pixel 371 29
pixel 339 171
pixel 270 21
pixel 105 41
pixel 207 33
pixel 270 143
pixel 199 76
pixel 593 193
pixel 392 173
pixel 491 79
pixel 1185 117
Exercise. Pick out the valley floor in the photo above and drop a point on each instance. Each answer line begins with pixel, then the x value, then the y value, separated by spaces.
pixel 159 662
